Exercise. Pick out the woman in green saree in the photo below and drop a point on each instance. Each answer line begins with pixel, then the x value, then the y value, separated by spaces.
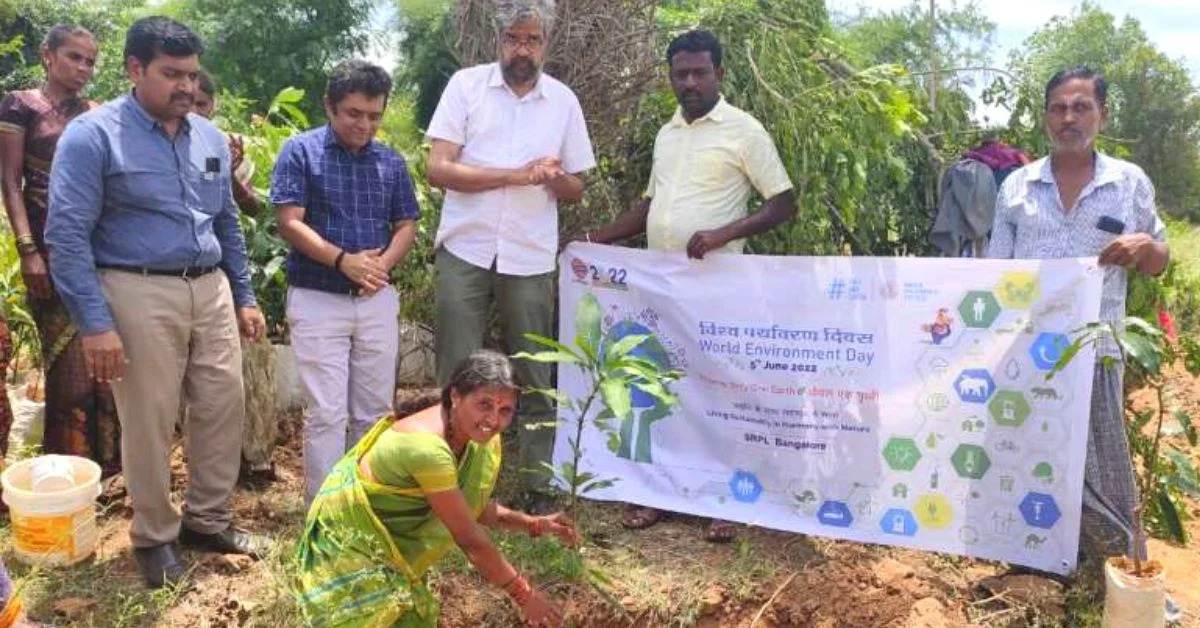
pixel 409 491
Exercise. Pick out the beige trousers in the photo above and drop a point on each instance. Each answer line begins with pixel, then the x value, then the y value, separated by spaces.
pixel 181 343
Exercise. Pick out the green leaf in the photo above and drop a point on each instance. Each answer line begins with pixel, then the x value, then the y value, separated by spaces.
pixel 1169 518
pixel 548 342
pixel 1068 354
pixel 614 442
pixel 1184 418
pixel 597 485
pixel 567 472
pixel 620 348
pixel 1142 327
pixel 1184 477
pixel 658 391
pixel 615 392
pixel 1144 352
pixel 588 317
pixel 549 356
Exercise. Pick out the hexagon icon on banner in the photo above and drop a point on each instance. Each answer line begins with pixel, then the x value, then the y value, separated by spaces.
pixel 745 487
pixel 901 454
pixel 1040 510
pixel 974 386
pixel 835 513
pixel 979 309
pixel 1009 408
pixel 970 461
pixel 898 521
pixel 1047 348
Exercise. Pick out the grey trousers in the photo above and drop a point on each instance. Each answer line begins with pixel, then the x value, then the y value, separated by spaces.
pixel 1110 493
pixel 465 295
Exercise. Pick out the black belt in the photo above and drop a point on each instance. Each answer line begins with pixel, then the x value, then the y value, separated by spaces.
pixel 188 272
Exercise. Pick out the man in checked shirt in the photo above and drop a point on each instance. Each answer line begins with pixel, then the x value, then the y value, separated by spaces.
pixel 346 205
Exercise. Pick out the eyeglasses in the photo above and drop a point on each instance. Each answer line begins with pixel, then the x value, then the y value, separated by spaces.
pixel 512 42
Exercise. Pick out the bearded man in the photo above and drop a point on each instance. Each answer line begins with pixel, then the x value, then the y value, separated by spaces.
pixel 507 144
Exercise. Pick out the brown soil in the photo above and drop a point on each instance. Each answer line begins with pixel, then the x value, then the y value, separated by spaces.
pixel 662 576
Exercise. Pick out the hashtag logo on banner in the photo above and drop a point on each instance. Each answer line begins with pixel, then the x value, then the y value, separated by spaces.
pixel 856 292
pixel 836 289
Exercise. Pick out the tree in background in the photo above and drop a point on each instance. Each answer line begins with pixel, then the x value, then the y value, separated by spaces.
pixel 23 23
pixel 1154 117
pixel 255 48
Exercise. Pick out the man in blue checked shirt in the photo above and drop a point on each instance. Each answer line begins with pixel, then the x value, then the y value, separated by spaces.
pixel 141 220
pixel 346 205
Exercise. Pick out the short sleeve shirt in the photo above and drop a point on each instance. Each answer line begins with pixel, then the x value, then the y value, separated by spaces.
pixel 350 199
pixel 514 227
pixel 704 172
pixel 1031 222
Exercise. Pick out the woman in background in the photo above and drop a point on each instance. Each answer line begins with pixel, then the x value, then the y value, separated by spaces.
pixel 81 416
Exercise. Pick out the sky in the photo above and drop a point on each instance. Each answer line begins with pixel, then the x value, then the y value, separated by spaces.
pixel 1169 24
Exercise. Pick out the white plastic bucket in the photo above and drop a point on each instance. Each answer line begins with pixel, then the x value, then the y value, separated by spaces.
pixel 50 474
pixel 56 527
pixel 1132 602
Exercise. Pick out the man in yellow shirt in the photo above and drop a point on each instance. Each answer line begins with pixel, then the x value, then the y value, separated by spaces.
pixel 707 161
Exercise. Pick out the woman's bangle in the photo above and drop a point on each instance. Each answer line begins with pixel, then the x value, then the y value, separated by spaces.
pixel 519 590
pixel 537 527
pixel 337 261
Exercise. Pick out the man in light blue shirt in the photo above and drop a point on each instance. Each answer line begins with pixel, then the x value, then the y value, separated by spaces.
pixel 1078 202
pixel 141 220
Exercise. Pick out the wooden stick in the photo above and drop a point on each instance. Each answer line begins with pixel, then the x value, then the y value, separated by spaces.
pixel 771 599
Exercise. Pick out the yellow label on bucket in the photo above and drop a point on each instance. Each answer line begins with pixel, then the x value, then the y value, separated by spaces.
pixel 62 536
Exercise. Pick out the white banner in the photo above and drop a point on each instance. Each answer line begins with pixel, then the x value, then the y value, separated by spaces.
pixel 900 401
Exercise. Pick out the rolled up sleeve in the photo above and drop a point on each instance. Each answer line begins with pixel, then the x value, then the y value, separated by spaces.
pixel 234 260
pixel 76 200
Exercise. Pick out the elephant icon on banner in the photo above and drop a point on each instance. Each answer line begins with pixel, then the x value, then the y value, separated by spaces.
pixel 973 387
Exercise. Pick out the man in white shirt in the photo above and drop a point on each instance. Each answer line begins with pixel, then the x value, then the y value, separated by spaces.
pixel 507 145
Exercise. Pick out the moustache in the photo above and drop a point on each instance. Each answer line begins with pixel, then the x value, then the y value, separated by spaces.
pixel 187 98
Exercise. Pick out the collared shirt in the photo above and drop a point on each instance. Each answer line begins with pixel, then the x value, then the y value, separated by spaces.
pixel 515 227
pixel 124 193
pixel 1031 222
pixel 703 174
pixel 352 200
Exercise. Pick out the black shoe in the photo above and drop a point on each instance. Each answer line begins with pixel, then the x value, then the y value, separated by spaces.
pixel 160 565
pixel 228 541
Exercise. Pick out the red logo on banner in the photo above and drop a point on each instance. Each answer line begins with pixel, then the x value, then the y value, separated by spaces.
pixel 579 268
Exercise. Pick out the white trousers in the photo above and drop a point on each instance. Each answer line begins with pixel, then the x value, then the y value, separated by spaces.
pixel 346 350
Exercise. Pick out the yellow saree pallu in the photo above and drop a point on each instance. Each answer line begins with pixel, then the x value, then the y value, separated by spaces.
pixel 367 544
